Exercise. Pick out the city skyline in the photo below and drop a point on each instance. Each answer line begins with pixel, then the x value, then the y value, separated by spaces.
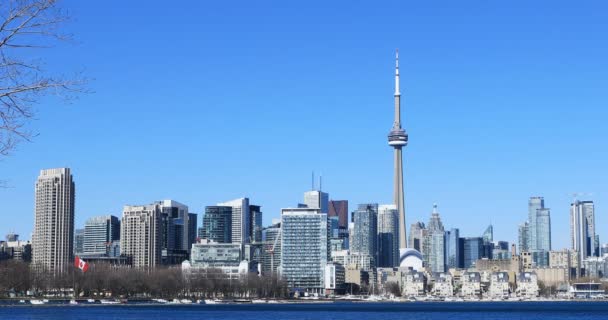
pixel 453 163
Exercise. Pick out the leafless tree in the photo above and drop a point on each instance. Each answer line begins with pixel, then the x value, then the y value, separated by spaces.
pixel 27 27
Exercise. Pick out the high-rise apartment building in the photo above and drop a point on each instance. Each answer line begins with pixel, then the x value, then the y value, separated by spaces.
pixel 388 236
pixel 141 234
pixel 539 231
pixel 99 233
pixel 78 241
pixel 240 219
pixel 53 237
pixel 217 224
pixel 255 223
pixel 522 236
pixel 365 233
pixel 176 232
pixel 339 208
pixel 271 249
pixel 316 199
pixel 582 230
pixel 304 248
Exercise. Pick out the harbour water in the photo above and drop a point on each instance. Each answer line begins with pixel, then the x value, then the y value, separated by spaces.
pixel 320 311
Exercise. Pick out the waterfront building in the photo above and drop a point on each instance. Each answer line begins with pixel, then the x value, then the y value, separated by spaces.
pixel 443 284
pixel 99 233
pixel 416 237
pixel 452 249
pixel 304 248
pixel 552 276
pixel 240 219
pixel 339 208
pixel 388 234
pixel 397 139
pixel 595 267
pixel 78 241
pixel 527 285
pixel 365 232
pixel 53 237
pixel 217 224
pixel 471 284
pixel 472 250
pixel 141 234
pixel 434 244
pixel 414 284
pixel 499 285
pixel 316 199
pixel 335 278
pixel 218 260
pixel 582 230
pixel 255 223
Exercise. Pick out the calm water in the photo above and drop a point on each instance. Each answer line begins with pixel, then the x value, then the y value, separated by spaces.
pixel 338 311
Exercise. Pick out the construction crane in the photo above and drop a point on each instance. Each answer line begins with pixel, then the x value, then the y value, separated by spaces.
pixel 271 251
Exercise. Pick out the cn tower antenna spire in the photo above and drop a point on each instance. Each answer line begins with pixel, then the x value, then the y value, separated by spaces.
pixel 397 93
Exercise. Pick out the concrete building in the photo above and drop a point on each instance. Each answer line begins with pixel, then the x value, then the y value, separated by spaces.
pixel 494 265
pixel 240 219
pixel 141 235
pixel 218 260
pixel 335 278
pixel 316 199
pixel 443 284
pixel 365 233
pixel 471 284
pixel 499 285
pixel 304 248
pixel 416 237
pixel 339 208
pixel 99 233
pixel 527 285
pixel 526 260
pixel 217 224
pixel 388 236
pixel 595 267
pixel 414 284
pixel 552 276
pixel 15 249
pixel 53 237
pixel 434 243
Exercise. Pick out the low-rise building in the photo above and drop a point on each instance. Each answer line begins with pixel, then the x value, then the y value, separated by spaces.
pixel 471 284
pixel 595 267
pixel 217 260
pixel 414 284
pixel 499 285
pixel 527 285
pixel 443 284
pixel 334 278
pixel 588 290
pixel 552 276
pixel 16 250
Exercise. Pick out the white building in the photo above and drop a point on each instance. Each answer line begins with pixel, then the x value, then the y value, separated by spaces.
pixel 240 219
pixel 443 285
pixel 471 284
pixel 499 285
pixel 527 285
pixel 316 199
pixel 414 284
pixel 141 234
pixel 334 278
pixel 218 260
pixel 53 237
pixel 304 248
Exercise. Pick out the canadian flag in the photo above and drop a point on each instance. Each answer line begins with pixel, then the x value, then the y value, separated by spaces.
pixel 81 264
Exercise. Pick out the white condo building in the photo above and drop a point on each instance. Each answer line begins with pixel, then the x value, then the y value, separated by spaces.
pixel 240 219
pixel 53 237
pixel 141 234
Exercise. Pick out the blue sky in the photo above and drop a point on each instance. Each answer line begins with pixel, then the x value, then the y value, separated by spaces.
pixel 209 101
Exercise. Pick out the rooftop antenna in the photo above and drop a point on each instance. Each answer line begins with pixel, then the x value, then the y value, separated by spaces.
pixel 320 182
pixel 312 185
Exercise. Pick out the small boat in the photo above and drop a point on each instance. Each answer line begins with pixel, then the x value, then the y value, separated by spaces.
pixel 106 301
pixel 212 301
pixel 273 301
pixel 258 301
pixel 186 301
pixel 73 302
pixel 91 300
pixel 21 301
pixel 37 302
pixel 160 300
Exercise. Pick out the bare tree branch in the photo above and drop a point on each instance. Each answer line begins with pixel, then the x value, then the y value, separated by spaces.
pixel 28 25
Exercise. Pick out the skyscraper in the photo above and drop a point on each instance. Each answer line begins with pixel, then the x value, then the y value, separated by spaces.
pixel 523 232
pixel 255 223
pixel 240 219
pixel 539 231
pixel 472 250
pixel 141 234
pixel 365 232
pixel 339 208
pixel 434 243
pixel 452 249
pixel 78 241
pixel 217 224
pixel 175 231
pixel 388 234
pixel 316 199
pixel 99 232
pixel 304 248
pixel 416 237
pixel 582 230
pixel 53 237
pixel 397 138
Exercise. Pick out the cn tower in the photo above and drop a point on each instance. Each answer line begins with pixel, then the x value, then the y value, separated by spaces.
pixel 397 139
